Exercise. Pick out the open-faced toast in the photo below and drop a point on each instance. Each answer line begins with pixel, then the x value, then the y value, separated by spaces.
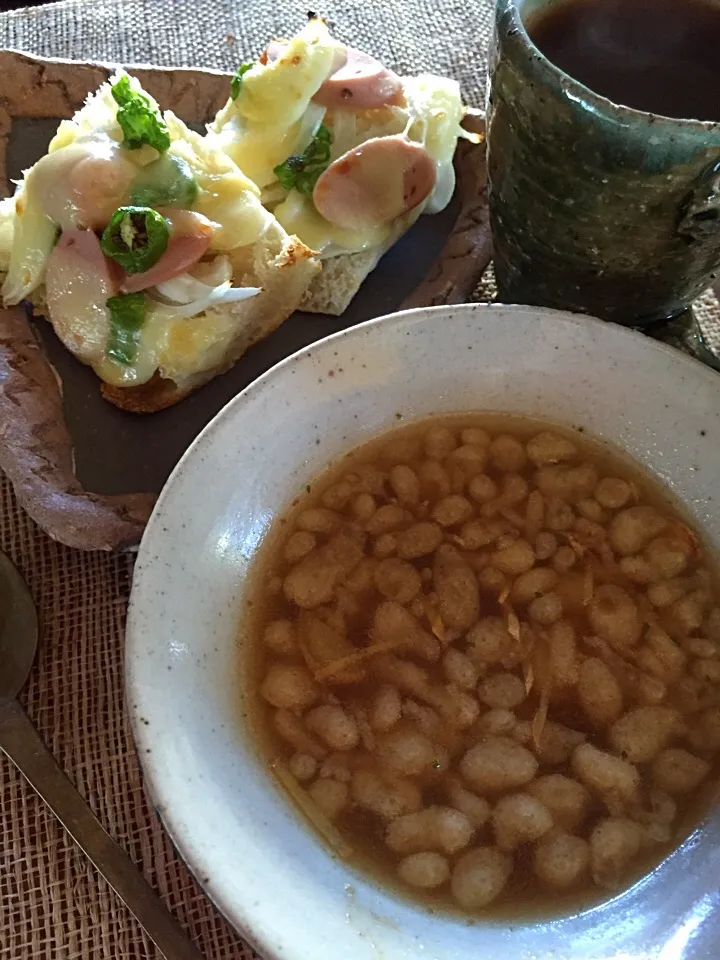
pixel 83 469
pixel 160 255
pixel 347 153
pixel 148 250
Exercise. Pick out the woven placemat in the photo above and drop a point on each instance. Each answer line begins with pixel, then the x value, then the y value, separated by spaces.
pixel 53 906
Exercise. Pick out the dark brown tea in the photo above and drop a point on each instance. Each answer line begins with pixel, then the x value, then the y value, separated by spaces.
pixel 660 56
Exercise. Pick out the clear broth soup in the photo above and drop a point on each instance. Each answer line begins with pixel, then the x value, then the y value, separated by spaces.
pixel 485 653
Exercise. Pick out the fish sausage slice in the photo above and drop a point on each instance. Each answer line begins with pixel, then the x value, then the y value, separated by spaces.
pixel 190 235
pixel 375 183
pixel 358 81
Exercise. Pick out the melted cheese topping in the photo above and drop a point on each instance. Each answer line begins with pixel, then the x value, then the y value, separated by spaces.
pixel 282 88
pixel 431 118
pixel 227 196
pixel 186 347
pixel 274 118
pixel 259 148
pixel 297 214
pixel 179 348
pixel 28 231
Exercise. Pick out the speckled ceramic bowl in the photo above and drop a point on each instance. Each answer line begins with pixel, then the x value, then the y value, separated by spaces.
pixel 248 847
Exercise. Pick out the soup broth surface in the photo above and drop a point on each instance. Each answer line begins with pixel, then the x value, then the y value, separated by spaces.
pixel 485 653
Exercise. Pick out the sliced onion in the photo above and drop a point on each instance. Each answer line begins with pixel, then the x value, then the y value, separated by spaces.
pixel 344 131
pixel 444 188
pixel 309 126
pixel 33 240
pixel 196 282
pixel 224 293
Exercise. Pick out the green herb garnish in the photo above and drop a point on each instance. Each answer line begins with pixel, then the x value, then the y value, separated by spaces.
pixel 136 238
pixel 303 171
pixel 140 121
pixel 236 81
pixel 127 318
pixel 166 182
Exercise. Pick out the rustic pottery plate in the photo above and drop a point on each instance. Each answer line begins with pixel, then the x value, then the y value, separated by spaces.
pixel 87 472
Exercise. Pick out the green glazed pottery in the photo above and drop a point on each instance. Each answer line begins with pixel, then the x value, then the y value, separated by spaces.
pixel 594 207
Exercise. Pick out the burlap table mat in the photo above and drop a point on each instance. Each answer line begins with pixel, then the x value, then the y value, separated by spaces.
pixel 53 906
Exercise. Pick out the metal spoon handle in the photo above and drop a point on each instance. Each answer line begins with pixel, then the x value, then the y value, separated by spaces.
pixel 24 746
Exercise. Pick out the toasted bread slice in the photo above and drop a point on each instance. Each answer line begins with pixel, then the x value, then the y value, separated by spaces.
pixel 283 267
pixel 333 289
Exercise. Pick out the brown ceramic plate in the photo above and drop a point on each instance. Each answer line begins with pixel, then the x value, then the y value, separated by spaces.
pixel 87 472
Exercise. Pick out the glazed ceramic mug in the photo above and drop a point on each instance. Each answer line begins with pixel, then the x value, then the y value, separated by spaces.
pixel 595 207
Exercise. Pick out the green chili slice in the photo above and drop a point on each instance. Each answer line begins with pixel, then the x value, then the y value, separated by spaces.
pixel 303 171
pixel 136 237
pixel 127 318
pixel 166 182
pixel 236 82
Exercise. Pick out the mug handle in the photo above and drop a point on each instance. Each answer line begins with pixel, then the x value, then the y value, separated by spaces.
pixel 700 219
pixel 685 333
